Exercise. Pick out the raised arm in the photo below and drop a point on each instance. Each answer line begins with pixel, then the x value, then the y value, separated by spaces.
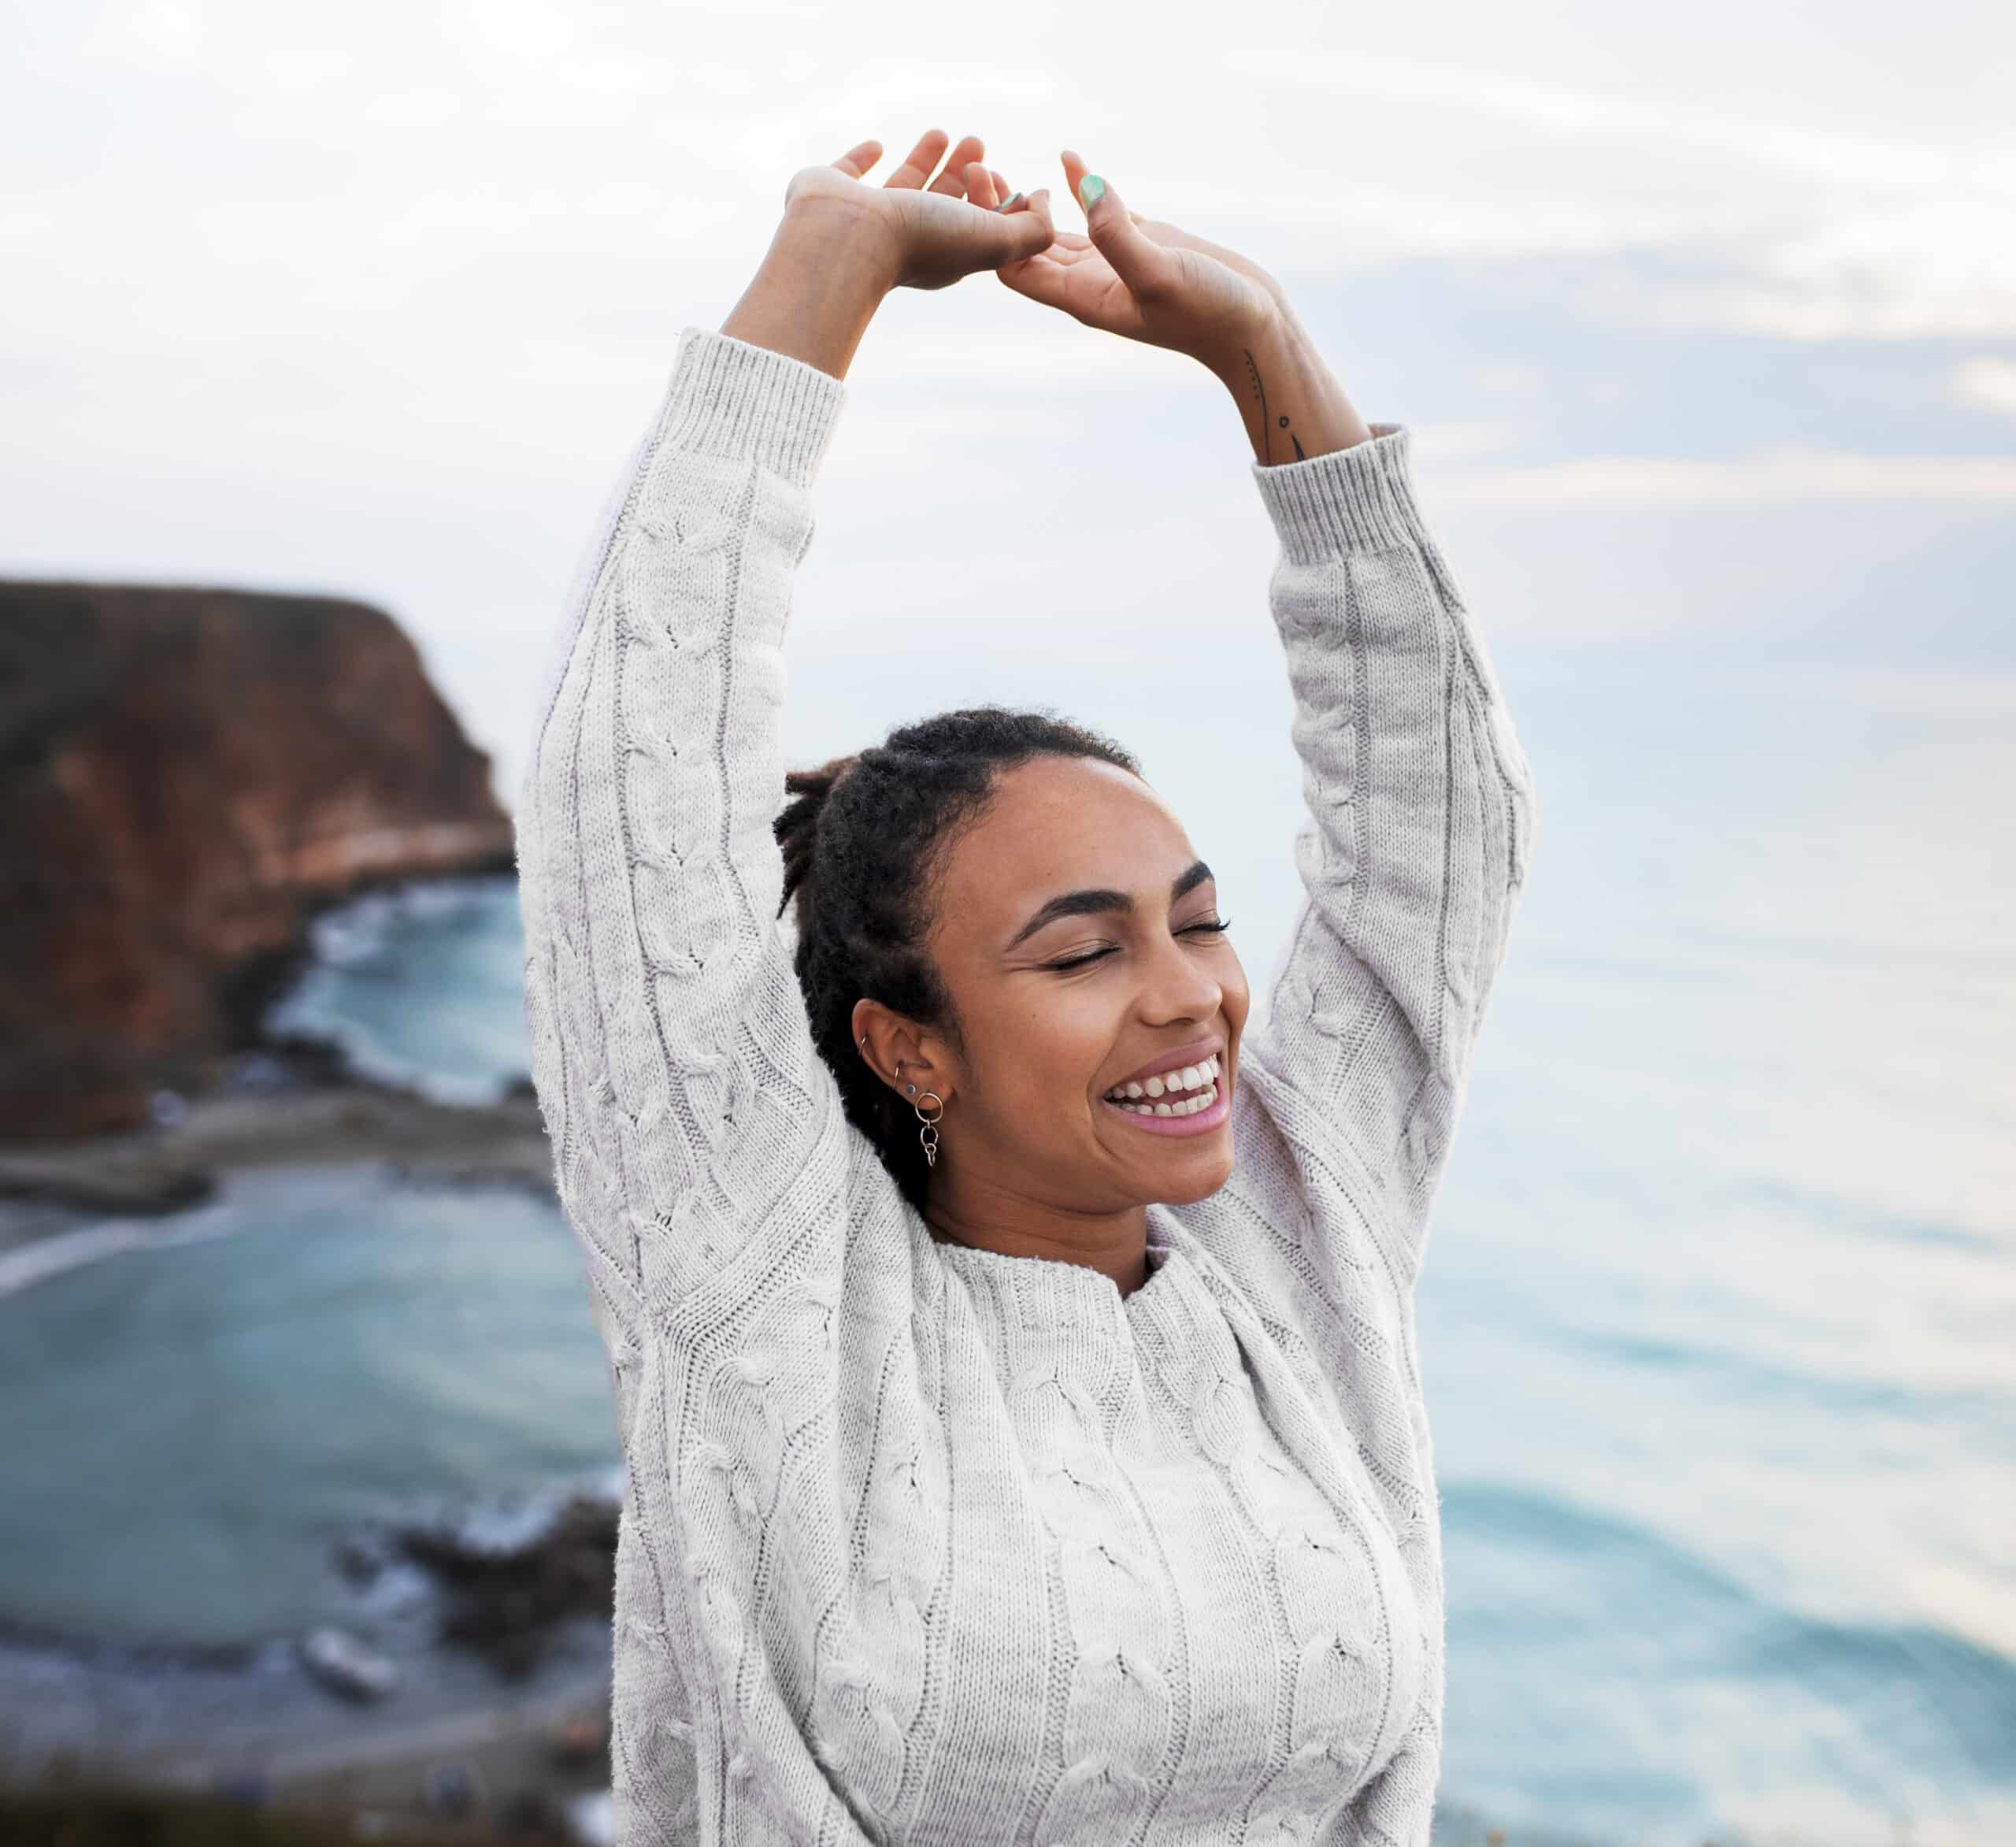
pixel 1420 812
pixel 673 1062
pixel 1420 802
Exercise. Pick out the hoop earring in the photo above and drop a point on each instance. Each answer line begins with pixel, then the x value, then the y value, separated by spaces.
pixel 929 1133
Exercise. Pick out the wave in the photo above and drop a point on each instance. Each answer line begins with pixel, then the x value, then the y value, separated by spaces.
pixel 1919 1686
pixel 390 945
pixel 26 1265
pixel 1766 1382
pixel 245 1202
pixel 364 1056
pixel 1837 1212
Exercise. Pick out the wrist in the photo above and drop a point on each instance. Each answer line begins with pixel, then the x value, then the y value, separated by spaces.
pixel 1293 406
pixel 818 287
pixel 853 246
pixel 1270 336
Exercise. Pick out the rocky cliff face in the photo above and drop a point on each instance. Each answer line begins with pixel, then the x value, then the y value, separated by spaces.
pixel 185 777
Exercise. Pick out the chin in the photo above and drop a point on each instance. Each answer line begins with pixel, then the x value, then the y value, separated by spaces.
pixel 1202 1179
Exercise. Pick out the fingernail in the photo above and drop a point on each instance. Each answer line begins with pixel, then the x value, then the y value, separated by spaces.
pixel 1006 203
pixel 1091 189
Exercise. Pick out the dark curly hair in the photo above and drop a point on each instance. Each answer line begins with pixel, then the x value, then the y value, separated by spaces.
pixel 861 841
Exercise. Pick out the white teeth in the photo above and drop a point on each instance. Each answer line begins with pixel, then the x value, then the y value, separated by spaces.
pixel 1187 1105
pixel 1172 1084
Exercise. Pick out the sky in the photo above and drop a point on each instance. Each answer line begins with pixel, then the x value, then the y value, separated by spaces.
pixel 1704 322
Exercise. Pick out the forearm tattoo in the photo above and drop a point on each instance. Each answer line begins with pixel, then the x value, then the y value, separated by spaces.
pixel 1267 424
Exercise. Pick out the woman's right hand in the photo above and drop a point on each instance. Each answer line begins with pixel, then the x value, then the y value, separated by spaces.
pixel 925 235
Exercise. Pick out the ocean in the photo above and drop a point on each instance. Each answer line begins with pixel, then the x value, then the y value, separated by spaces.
pixel 1718 1321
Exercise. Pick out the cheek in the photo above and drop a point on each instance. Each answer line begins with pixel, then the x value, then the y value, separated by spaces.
pixel 1057 1041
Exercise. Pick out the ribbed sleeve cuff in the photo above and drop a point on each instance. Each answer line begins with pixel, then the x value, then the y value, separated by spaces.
pixel 740 402
pixel 1357 499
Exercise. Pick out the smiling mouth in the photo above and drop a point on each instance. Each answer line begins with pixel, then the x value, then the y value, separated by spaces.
pixel 1191 1101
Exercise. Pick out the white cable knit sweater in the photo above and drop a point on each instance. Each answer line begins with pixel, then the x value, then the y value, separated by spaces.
pixel 922 1544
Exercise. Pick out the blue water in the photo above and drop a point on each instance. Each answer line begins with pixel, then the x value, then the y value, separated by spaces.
pixel 188 1426
pixel 1719 1317
pixel 420 986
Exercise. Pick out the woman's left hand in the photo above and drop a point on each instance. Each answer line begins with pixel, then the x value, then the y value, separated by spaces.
pixel 1149 281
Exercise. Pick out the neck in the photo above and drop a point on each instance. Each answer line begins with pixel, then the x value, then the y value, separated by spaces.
pixel 964 1209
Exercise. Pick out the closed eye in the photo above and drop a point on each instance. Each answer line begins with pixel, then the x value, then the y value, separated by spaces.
pixel 1210 926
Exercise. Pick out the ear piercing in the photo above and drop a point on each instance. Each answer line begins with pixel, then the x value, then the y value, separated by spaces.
pixel 929 1133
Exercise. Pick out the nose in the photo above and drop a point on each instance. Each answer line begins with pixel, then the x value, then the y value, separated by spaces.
pixel 1175 985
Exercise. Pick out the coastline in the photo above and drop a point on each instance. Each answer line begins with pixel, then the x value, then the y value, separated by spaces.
pixel 308 1112
pixel 462 1739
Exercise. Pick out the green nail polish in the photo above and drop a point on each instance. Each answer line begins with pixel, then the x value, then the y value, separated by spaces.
pixel 1091 189
pixel 1006 203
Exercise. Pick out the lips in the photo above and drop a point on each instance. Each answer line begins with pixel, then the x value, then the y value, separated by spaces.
pixel 1183 1092
pixel 1177 1060
pixel 1195 1111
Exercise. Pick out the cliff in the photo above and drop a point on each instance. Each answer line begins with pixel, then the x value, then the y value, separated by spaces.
pixel 186 776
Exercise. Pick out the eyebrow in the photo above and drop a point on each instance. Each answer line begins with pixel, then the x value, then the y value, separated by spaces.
pixel 1095 900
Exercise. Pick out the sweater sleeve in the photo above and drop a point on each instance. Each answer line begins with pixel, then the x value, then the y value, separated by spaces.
pixel 1421 816
pixel 670 1053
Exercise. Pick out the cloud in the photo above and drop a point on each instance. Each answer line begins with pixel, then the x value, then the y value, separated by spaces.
pixel 1779 474
pixel 1986 383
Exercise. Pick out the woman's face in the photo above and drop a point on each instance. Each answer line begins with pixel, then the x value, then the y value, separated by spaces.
pixel 1071 928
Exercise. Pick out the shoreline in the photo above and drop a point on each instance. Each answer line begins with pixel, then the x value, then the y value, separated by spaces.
pixel 457 1741
pixel 311 1113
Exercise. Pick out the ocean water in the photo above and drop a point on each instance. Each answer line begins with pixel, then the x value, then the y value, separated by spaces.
pixel 420 986
pixel 1719 1316
pixel 192 1418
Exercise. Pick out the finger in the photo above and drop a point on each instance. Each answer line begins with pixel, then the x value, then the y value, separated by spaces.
pixel 1140 262
pixel 918 163
pixel 1010 202
pixel 952 182
pixel 980 189
pixel 1025 231
pixel 857 159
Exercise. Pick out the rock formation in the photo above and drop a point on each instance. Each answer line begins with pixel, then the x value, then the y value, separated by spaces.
pixel 186 776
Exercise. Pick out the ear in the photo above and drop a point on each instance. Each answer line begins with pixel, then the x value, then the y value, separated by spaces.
pixel 901 1052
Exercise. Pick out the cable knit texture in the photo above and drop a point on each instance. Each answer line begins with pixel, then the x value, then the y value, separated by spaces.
pixel 920 1543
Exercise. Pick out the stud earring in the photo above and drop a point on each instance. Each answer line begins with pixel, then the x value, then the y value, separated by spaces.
pixel 929 1133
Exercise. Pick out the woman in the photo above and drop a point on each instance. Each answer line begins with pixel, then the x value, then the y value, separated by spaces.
pixel 1015 1366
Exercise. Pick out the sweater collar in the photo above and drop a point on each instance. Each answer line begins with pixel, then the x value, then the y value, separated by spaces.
pixel 1040 1313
